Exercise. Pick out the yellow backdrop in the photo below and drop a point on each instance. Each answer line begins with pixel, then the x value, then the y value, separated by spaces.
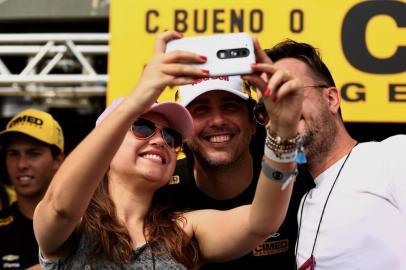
pixel 362 42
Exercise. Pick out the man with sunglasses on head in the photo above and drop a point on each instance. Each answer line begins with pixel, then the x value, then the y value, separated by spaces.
pixel 355 217
pixel 224 160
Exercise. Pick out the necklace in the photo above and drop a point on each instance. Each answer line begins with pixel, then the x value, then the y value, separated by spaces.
pixel 311 262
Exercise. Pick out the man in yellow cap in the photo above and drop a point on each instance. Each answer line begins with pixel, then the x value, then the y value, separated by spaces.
pixel 33 148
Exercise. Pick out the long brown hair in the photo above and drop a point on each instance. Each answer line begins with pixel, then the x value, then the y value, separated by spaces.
pixel 161 226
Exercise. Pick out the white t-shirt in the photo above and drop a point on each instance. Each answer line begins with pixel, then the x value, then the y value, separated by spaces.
pixel 364 223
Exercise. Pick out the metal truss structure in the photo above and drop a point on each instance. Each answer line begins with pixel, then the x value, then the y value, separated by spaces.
pixel 60 65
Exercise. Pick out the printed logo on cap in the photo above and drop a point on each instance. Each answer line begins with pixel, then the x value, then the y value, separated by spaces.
pixel 245 87
pixel 27 119
pixel 222 78
pixel 37 124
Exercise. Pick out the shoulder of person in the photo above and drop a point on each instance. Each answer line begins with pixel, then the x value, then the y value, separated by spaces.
pixel 390 147
pixel 398 140
pixel 393 148
pixel 8 215
pixel 395 143
pixel 7 195
pixel 389 152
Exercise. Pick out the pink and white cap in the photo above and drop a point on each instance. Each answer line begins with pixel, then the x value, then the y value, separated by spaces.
pixel 177 115
pixel 231 84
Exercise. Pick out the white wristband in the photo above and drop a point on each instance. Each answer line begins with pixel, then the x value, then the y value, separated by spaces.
pixel 283 158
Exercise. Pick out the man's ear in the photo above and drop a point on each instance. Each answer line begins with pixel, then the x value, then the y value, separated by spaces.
pixel 58 159
pixel 334 99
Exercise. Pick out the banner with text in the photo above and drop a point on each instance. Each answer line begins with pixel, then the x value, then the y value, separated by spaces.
pixel 362 42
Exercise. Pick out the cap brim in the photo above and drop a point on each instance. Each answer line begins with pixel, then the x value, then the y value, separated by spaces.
pixel 177 115
pixel 204 90
pixel 108 109
pixel 6 134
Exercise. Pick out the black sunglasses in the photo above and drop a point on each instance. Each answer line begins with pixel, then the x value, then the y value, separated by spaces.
pixel 260 113
pixel 143 129
pixel 318 86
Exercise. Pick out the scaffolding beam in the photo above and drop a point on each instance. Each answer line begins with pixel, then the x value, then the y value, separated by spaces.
pixel 43 53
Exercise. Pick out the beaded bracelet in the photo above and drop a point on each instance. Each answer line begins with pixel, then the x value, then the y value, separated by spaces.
pixel 279 150
pixel 282 143
pixel 281 157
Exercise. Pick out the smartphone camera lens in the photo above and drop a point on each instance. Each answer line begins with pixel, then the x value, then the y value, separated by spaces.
pixel 245 52
pixel 234 53
pixel 221 54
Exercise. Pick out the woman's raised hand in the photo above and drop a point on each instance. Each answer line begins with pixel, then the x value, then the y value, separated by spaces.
pixel 167 69
pixel 281 91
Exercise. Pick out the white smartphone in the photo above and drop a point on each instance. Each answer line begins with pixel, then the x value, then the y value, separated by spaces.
pixel 227 54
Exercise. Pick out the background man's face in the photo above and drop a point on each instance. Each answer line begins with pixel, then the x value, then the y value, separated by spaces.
pixel 30 166
pixel 222 128
pixel 316 125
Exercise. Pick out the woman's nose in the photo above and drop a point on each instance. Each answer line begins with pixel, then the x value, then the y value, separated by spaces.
pixel 157 138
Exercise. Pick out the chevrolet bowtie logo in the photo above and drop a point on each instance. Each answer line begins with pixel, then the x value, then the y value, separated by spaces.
pixel 10 258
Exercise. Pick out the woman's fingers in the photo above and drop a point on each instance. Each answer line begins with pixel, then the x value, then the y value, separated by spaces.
pixel 257 81
pixel 184 70
pixel 164 38
pixel 289 87
pixel 260 55
pixel 181 81
pixel 175 74
pixel 277 79
pixel 272 77
pixel 261 75
pixel 280 83
pixel 268 68
pixel 183 57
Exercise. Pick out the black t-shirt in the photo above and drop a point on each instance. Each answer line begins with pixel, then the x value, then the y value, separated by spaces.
pixel 277 252
pixel 4 199
pixel 18 247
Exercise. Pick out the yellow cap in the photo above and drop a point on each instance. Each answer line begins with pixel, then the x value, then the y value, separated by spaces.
pixel 37 124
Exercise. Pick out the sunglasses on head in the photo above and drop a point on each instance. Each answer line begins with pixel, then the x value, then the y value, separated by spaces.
pixel 260 113
pixel 143 129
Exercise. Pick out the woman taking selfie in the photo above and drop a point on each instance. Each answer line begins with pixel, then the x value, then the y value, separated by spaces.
pixel 105 208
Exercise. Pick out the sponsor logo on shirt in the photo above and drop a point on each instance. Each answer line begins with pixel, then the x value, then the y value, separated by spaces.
pixel 9 261
pixel 275 235
pixel 10 257
pixel 6 221
pixel 175 179
pixel 271 247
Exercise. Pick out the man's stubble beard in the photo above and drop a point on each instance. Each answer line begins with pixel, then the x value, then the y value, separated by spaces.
pixel 319 138
pixel 214 164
